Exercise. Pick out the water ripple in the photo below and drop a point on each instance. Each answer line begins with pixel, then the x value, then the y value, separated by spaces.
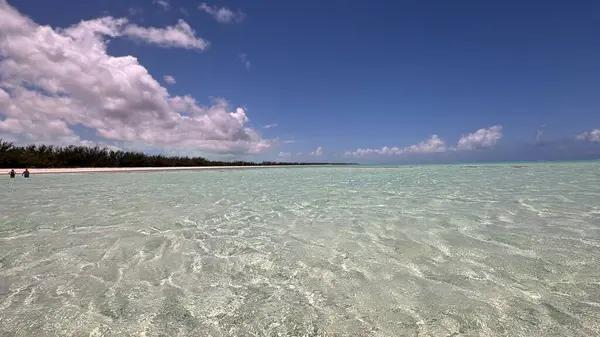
pixel 490 250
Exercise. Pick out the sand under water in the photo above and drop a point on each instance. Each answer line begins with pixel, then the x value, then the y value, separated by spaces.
pixel 457 250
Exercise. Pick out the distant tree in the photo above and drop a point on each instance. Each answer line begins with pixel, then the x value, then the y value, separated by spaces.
pixel 49 156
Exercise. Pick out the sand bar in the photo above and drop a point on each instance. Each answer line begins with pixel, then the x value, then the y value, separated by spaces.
pixel 34 171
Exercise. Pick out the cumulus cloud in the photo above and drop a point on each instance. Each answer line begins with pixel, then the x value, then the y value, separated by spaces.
pixel 244 59
pixel 52 79
pixel 318 152
pixel 431 145
pixel 169 79
pixel 285 154
pixel 223 14
pixel 163 3
pixel 269 126
pixel 480 139
pixel 591 136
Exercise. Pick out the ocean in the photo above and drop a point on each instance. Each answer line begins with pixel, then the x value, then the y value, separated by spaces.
pixel 433 250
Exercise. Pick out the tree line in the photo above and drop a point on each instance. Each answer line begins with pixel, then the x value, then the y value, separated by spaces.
pixel 49 156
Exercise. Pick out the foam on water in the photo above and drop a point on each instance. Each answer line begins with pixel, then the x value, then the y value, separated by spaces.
pixel 494 250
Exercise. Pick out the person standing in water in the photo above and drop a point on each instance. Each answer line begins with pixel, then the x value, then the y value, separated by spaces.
pixel 12 174
pixel 25 173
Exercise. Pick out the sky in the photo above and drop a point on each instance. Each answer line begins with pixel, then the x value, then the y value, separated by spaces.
pixel 337 80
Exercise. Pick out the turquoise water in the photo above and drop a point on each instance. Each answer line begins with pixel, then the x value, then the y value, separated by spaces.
pixel 458 250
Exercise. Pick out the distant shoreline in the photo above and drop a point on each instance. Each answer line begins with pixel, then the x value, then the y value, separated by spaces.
pixel 35 171
pixel 43 159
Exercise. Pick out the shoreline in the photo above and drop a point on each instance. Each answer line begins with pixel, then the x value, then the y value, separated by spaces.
pixel 35 171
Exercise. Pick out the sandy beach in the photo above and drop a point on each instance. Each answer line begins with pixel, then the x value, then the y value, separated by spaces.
pixel 35 171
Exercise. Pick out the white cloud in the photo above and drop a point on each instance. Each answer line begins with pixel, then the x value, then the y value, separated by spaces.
pixel 90 32
pixel 318 152
pixel 163 3
pixel 480 139
pixel 269 126
pixel 223 14
pixel 431 145
pixel 169 79
pixel 244 59
pixel 591 136
pixel 52 79
pixel 285 154
pixel 180 36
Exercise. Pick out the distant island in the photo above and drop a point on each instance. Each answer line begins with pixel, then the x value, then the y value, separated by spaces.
pixel 49 156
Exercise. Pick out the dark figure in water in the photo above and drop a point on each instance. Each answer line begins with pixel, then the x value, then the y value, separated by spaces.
pixel 12 173
pixel 26 173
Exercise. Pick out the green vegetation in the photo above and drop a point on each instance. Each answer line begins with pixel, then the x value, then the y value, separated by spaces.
pixel 48 156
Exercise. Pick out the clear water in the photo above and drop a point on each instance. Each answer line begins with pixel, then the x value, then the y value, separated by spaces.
pixel 493 250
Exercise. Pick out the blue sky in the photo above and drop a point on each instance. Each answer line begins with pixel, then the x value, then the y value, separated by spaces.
pixel 348 75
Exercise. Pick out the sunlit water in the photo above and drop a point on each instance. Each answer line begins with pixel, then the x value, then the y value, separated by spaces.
pixel 492 250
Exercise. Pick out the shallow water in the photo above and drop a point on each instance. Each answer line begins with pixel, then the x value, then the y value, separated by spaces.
pixel 461 250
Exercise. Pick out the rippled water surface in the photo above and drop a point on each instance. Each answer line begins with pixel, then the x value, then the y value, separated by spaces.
pixel 492 250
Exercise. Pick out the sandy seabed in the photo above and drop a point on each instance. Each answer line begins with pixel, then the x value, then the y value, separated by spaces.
pixel 432 250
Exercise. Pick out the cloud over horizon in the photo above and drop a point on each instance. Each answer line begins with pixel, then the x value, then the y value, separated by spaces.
pixel 55 79
pixel 480 139
pixel 591 136
pixel 484 138
pixel 318 152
